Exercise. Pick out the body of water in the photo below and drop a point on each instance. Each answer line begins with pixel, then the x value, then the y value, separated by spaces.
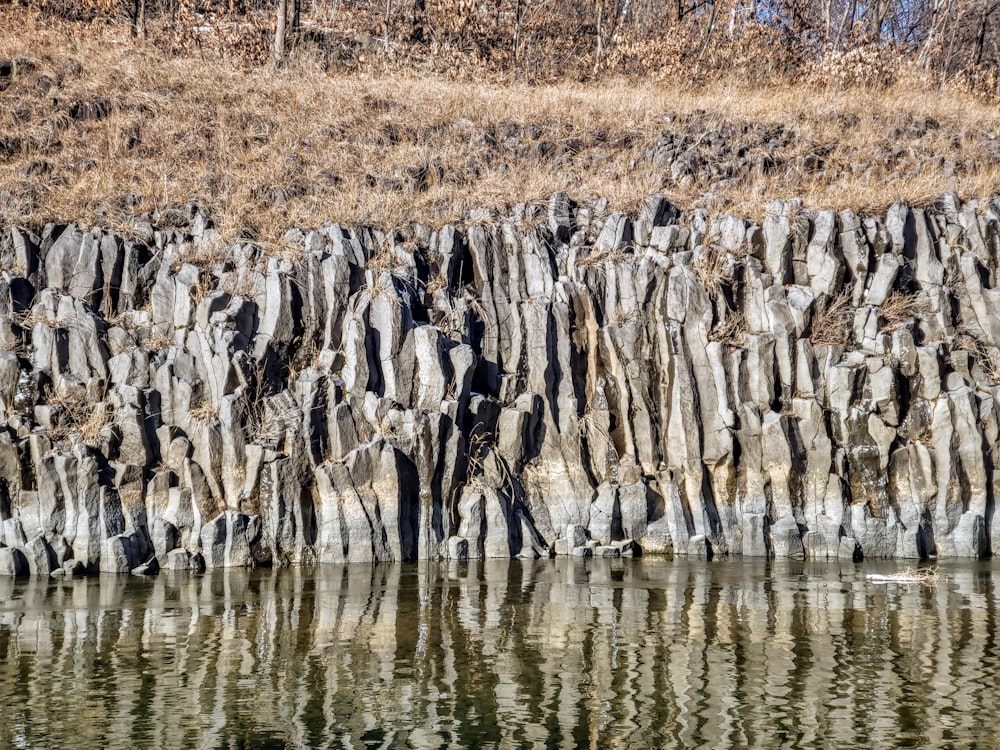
pixel 548 654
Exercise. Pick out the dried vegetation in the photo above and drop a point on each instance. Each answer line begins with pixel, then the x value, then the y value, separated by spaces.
pixel 832 325
pixel 96 126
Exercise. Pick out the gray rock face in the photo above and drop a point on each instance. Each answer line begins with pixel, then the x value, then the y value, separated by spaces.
pixel 564 380
pixel 13 562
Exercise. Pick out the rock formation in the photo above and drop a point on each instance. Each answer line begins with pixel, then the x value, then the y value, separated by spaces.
pixel 562 379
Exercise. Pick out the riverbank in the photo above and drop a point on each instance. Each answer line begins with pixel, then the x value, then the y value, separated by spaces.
pixel 97 127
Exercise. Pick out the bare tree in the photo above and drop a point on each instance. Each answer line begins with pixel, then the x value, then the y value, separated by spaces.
pixel 418 21
pixel 139 18
pixel 708 32
pixel 520 8
pixel 989 11
pixel 386 21
pixel 611 15
pixel 279 32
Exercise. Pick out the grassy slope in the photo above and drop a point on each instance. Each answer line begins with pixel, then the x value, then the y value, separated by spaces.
pixel 268 150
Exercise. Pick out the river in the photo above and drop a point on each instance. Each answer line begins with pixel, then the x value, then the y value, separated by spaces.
pixel 562 653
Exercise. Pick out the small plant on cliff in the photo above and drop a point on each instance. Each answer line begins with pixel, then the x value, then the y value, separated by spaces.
pixel 157 343
pixel 436 283
pixel 731 331
pixel 78 416
pixel 204 255
pixel 204 415
pixel 899 307
pixel 243 283
pixel 480 445
pixel 201 289
pixel 987 357
pixel 484 474
pixel 715 268
pixel 990 364
pixel 623 318
pixel 831 327
pixel 601 259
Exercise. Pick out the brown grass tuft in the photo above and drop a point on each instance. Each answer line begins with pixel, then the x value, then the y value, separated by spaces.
pixel 78 416
pixel 204 415
pixel 732 331
pixel 899 307
pixel 832 326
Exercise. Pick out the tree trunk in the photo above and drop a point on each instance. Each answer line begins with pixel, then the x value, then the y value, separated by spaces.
pixel 708 33
pixel 600 37
pixel 847 20
pixel 139 19
pixel 939 13
pixel 386 20
pixel 519 10
pixel 879 11
pixel 949 57
pixel 418 17
pixel 977 56
pixel 279 32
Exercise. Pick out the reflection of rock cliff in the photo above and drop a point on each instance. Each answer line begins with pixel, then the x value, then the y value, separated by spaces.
pixel 503 654
pixel 560 379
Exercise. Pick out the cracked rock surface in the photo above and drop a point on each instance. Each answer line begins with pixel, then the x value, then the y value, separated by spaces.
pixel 562 379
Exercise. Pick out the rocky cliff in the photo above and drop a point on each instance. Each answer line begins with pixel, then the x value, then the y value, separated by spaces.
pixel 559 380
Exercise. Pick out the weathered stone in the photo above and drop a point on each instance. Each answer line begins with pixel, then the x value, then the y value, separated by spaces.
pixel 822 385
pixel 227 539
pixel 146 569
pixel 41 557
pixel 120 554
pixel 164 537
pixel 576 535
pixel 605 515
pixel 181 559
pixel 61 550
pixel 627 548
pixel 74 568
pixel 848 550
pixel 458 548
pixel 13 562
pixel 699 547
pixel 13 533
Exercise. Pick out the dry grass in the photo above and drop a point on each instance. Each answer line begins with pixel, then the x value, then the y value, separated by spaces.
pixel 201 255
pixel 265 151
pixel 899 307
pixel 732 331
pixel 714 268
pixel 832 325
pixel 79 416
pixel 204 414
pixel 921 576
pixel 987 357
pixel 158 343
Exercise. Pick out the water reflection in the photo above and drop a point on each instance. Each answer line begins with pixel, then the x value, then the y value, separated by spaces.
pixel 553 654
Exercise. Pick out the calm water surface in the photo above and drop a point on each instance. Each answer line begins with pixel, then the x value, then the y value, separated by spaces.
pixel 565 653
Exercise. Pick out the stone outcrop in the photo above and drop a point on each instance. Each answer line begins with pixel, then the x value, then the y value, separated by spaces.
pixel 560 379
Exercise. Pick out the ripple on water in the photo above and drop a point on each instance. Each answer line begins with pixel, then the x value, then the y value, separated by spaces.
pixel 630 654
